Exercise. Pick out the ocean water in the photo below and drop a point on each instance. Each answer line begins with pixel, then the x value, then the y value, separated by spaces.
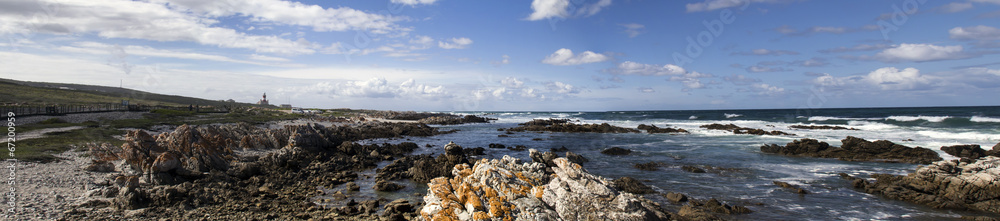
pixel 748 179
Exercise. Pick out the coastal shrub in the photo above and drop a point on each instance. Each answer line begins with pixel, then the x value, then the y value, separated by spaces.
pixel 53 120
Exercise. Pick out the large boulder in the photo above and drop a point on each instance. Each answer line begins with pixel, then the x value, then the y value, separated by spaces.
pixel 855 149
pixel 563 125
pixel 508 188
pixel 955 184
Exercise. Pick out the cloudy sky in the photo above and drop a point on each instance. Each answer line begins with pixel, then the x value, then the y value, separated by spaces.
pixel 566 55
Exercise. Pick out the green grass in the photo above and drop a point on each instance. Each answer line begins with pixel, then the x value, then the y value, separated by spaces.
pixel 43 149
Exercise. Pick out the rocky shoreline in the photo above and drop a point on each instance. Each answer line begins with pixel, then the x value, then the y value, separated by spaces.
pixel 312 171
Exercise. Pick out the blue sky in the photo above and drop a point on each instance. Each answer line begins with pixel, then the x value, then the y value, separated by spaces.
pixel 560 55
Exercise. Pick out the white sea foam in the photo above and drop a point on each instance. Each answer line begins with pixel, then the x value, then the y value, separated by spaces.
pixel 871 126
pixel 733 115
pixel 826 118
pixel 960 136
pixel 984 119
pixel 692 117
pixel 921 117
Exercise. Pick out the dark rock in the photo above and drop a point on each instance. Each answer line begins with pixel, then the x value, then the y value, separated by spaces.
pixel 130 198
pixel 616 151
pixel 351 186
pixel 742 130
pixel 453 149
pixel 967 151
pixel 100 166
pixel 855 149
pixel 518 148
pixel 717 126
pixel 397 209
pixel 560 149
pixel 631 185
pixel 502 135
pixel 996 147
pixel 820 127
pixel 563 125
pixel 387 186
pixel 475 151
pixel 545 158
pixel 651 166
pixel 789 186
pixel 496 145
pixel 693 169
pixel 576 158
pixel 675 197
pixel 453 119
pixel 967 184
pixel 713 205
pixel 655 130
pixel 537 139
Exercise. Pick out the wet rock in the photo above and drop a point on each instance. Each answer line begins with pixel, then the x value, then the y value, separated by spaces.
pixel 496 145
pixel 631 185
pixel 616 151
pixel 399 209
pixel 791 187
pixel 453 119
pixel 522 191
pixel 996 147
pixel 820 127
pixel 352 186
pixel 453 149
pixel 651 166
pixel 560 149
pixel 855 149
pixel 676 197
pixel 426 168
pixel 972 184
pixel 475 151
pixel 544 158
pixel 518 148
pixel 387 186
pixel 969 151
pixel 576 158
pixel 130 198
pixel 742 130
pixel 693 169
pixel 563 125
pixel 653 129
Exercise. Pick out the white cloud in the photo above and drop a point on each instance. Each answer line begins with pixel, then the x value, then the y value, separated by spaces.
pixel 455 43
pixel 267 58
pixel 635 68
pixel 136 50
pixel 765 89
pixel 157 22
pixel 710 5
pixel 995 2
pixel 544 9
pixel 380 88
pixel 562 88
pixel 921 53
pixel 762 51
pixel 565 57
pixel 414 2
pixel 859 47
pixel 646 90
pixel 505 60
pixel 788 30
pixel 759 69
pixel 633 29
pixel 421 42
pixel 739 79
pixel 293 13
pixel 887 78
pixel 980 33
pixel 512 82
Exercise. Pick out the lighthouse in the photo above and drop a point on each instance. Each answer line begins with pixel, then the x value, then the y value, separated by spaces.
pixel 263 101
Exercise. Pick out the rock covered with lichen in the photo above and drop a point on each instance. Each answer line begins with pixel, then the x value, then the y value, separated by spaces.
pixel 507 188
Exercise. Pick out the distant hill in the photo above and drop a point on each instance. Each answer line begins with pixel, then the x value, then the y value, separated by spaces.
pixel 13 91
